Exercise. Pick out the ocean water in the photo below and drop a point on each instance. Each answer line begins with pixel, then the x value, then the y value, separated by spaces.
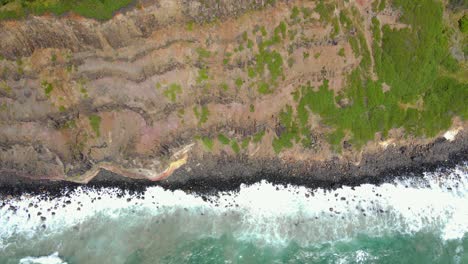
pixel 408 220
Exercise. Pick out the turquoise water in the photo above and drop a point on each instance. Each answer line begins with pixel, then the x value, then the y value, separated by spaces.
pixel 405 221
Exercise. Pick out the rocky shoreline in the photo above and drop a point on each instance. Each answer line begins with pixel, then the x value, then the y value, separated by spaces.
pixel 205 96
pixel 214 175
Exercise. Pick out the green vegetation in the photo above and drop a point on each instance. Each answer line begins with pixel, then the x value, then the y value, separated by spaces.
pixel 235 146
pixel 190 26
pixel 341 52
pixel 325 10
pixel 251 72
pixel 203 53
pixel 6 88
pixel 289 130
pixel 48 88
pixel 294 13
pixel 252 108
pixel 181 113
pixel 381 5
pixel 273 61
pixel 250 44
pixel 364 52
pixel 224 86
pixel 201 113
pixel 223 139
pixel 336 27
pixel 245 36
pixel 239 82
pixel 202 75
pixel 70 124
pixel 19 66
pixel 101 10
pixel 345 21
pixel 306 12
pixel 263 31
pixel 376 34
pixel 227 57
pixel 268 63
pixel 95 122
pixel 245 142
pixel 412 61
pixel 263 88
pixel 53 58
pixel 84 91
pixel 258 136
pixel 208 143
pixel 463 24
pixel 172 91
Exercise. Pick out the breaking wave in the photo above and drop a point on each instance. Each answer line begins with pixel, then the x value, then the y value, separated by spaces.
pixel 262 214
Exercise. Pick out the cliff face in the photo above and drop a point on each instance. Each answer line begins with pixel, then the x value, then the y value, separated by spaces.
pixel 200 82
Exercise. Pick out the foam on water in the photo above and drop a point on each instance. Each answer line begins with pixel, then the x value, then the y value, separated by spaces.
pixel 52 259
pixel 263 212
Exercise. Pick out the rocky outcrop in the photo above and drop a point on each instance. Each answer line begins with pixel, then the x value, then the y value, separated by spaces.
pixel 174 88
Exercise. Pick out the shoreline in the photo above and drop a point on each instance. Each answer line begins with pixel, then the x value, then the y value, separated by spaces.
pixel 224 175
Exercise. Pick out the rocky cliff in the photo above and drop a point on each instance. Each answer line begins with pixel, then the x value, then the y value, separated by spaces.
pixel 230 88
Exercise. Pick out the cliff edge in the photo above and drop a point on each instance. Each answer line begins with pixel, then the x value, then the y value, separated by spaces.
pixel 195 91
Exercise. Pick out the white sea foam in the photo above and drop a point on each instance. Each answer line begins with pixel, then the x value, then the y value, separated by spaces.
pixel 52 259
pixel 262 212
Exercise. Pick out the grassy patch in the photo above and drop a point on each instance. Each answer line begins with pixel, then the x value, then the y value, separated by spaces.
pixel 235 146
pixel 95 122
pixel 258 136
pixel 341 52
pixel 190 26
pixel 224 86
pixel 463 24
pixel 48 88
pixel 53 58
pixel 410 61
pixel 202 75
pixel 208 143
pixel 223 139
pixel 172 91
pixel 201 113
pixel 336 27
pixel 271 60
pixel 245 142
pixel 252 108
pixel 101 10
pixel 263 88
pixel 239 82
pixel 203 53
pixel 6 88
pixel 345 21
pixel 325 10
pixel 294 13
